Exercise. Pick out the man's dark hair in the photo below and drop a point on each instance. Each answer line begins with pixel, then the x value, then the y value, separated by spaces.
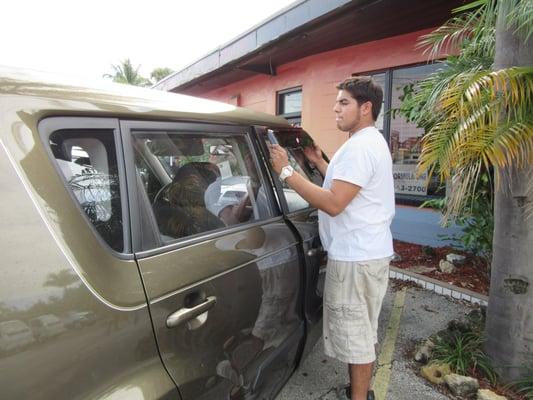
pixel 363 89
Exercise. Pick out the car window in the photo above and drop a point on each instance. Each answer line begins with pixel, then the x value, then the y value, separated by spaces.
pixel 87 160
pixel 197 183
pixel 294 140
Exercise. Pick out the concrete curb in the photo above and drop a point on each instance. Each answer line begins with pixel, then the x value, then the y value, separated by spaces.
pixel 438 287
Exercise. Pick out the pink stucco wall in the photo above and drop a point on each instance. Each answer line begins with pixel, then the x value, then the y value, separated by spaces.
pixel 318 75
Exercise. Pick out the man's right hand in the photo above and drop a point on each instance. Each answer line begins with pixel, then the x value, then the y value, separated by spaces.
pixel 313 154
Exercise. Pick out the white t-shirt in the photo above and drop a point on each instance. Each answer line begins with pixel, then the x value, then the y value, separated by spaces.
pixel 362 231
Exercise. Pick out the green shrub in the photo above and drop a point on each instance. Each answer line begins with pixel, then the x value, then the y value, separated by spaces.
pixel 524 387
pixel 464 353
pixel 476 220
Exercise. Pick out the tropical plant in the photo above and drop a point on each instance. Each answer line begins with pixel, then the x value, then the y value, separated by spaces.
pixel 524 386
pixel 460 106
pixel 463 352
pixel 476 220
pixel 125 72
pixel 478 115
pixel 159 73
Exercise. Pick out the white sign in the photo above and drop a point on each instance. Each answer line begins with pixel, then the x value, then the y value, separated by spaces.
pixel 406 181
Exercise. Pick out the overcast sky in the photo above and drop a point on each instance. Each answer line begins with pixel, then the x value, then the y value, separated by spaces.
pixel 84 38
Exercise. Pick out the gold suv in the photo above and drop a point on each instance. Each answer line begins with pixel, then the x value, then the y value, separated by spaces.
pixel 148 249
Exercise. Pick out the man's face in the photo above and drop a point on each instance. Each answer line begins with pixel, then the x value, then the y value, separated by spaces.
pixel 347 112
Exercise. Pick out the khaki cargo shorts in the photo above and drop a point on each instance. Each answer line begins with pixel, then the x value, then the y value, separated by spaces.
pixel 353 295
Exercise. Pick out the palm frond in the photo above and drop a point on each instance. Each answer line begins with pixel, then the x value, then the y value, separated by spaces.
pixel 521 18
pixel 486 120
pixel 475 24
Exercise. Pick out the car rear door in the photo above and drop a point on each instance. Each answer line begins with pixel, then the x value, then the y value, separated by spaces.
pixel 304 219
pixel 219 264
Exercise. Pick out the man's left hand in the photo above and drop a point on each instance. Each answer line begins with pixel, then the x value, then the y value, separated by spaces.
pixel 278 157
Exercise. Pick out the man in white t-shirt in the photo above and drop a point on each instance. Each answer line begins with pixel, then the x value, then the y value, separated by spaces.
pixel 356 207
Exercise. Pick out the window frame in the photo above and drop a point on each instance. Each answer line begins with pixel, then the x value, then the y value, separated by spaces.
pixel 279 104
pixel 128 128
pixel 277 184
pixel 50 125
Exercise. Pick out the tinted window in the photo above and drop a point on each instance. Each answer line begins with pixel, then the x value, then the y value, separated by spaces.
pixel 294 141
pixel 87 159
pixel 197 183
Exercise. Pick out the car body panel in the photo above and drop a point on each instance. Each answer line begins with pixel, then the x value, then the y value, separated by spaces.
pixel 238 347
pixel 55 263
pixel 304 220
pixel 37 278
pixel 66 96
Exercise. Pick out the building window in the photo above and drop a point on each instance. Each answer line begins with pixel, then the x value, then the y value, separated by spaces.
pixel 289 103
pixel 405 138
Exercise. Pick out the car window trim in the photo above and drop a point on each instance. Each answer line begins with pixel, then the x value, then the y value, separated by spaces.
pixel 277 183
pixel 204 236
pixel 264 169
pixel 49 125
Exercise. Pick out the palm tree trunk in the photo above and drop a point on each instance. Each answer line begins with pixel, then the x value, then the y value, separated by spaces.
pixel 509 327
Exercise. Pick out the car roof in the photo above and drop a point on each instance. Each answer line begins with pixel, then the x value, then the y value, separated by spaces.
pixel 76 95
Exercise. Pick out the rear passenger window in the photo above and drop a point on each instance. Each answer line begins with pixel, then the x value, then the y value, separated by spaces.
pixel 197 183
pixel 87 159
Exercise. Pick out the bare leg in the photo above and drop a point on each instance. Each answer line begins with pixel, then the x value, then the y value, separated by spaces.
pixel 360 376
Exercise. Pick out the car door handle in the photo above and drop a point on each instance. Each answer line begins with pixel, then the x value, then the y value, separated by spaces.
pixel 186 314
pixel 315 251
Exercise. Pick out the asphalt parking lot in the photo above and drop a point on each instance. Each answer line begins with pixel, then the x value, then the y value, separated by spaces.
pixel 409 315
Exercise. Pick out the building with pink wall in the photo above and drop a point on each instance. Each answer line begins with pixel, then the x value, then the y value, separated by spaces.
pixel 290 64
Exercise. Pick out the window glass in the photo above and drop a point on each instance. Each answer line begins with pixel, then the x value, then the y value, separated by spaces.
pixel 294 140
pixel 88 162
pixel 290 106
pixel 405 137
pixel 290 102
pixel 380 80
pixel 199 182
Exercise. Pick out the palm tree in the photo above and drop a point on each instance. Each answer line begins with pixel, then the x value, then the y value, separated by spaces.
pixel 159 73
pixel 478 117
pixel 125 72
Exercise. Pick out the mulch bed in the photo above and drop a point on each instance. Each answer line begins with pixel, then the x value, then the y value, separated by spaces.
pixel 472 275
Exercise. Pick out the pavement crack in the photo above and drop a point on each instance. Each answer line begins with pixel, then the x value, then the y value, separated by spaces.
pixel 323 395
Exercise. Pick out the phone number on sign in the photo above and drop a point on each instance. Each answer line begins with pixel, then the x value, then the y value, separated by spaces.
pixel 411 189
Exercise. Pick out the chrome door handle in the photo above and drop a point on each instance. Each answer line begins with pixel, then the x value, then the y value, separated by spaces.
pixel 186 314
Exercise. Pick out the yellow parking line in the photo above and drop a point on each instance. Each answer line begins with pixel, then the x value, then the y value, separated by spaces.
pixel 381 380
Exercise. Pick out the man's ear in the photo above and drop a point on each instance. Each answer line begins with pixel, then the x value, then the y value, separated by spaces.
pixel 367 108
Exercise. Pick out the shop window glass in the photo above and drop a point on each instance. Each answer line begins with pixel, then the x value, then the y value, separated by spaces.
pixel 405 138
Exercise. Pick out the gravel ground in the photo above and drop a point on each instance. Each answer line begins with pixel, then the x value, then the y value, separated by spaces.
pixel 424 313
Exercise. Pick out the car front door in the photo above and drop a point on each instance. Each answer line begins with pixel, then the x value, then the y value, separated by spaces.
pixel 304 219
pixel 220 266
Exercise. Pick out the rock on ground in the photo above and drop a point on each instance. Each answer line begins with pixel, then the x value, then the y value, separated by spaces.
pixel 486 394
pixel 461 385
